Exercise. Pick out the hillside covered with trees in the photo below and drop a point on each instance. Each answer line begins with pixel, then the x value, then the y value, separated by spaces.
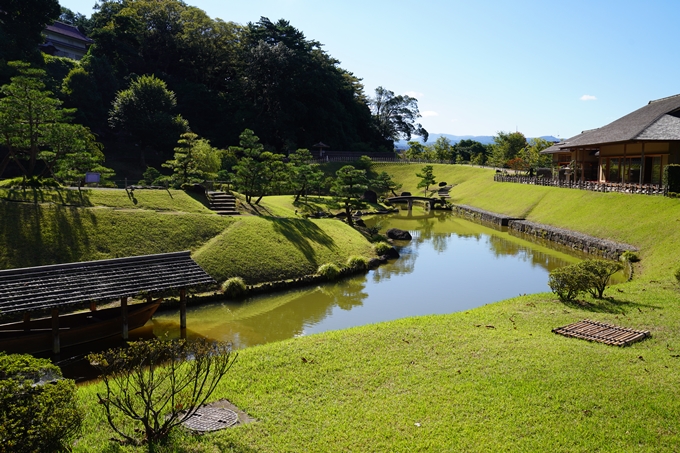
pixel 161 68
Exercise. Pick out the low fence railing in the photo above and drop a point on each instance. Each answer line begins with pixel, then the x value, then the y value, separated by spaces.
pixel 644 189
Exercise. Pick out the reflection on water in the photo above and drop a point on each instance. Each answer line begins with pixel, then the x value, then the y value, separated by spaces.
pixel 450 265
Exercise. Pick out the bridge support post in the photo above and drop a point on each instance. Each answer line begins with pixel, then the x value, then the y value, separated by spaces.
pixel 410 204
pixel 124 315
pixel 56 344
pixel 182 308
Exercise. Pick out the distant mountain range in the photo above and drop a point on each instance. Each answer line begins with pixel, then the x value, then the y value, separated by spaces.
pixel 483 139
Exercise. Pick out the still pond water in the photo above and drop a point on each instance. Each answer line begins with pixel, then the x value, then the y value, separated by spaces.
pixel 451 265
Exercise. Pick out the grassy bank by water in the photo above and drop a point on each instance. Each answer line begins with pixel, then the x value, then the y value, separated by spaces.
pixel 490 379
pixel 39 227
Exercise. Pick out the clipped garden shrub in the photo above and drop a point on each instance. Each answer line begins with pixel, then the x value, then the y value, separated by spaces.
pixel 357 263
pixel 382 248
pixel 234 288
pixel 568 282
pixel 39 411
pixel 329 271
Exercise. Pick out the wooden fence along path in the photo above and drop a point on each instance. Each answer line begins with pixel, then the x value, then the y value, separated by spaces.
pixel 645 189
pixel 602 333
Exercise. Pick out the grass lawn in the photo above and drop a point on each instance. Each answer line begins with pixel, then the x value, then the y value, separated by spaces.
pixel 490 379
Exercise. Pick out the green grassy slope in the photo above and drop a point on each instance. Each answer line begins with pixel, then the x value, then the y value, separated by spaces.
pixel 267 248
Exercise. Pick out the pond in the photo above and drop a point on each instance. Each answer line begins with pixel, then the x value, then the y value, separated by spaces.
pixel 451 265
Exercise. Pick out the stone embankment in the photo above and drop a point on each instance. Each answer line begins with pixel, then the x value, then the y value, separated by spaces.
pixel 483 216
pixel 577 241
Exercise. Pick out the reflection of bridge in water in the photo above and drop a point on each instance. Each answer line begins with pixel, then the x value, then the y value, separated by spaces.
pixel 410 199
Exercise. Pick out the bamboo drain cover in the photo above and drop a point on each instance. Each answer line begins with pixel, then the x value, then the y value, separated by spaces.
pixel 602 333
pixel 211 419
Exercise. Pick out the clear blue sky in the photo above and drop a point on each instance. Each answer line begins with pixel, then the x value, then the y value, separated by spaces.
pixel 478 67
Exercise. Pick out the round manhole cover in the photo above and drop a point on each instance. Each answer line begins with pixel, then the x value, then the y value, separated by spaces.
pixel 211 419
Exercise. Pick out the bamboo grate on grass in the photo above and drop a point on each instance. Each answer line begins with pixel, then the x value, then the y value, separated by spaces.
pixel 602 333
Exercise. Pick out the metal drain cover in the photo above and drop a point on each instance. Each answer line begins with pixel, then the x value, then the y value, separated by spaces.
pixel 211 419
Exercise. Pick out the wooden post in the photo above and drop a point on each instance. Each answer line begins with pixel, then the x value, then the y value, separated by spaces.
pixel 56 347
pixel 124 315
pixel 149 299
pixel 410 204
pixel 93 306
pixel 182 308
pixel 27 321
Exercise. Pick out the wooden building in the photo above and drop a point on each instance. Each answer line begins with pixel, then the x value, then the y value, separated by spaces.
pixel 633 149
pixel 56 289
pixel 64 40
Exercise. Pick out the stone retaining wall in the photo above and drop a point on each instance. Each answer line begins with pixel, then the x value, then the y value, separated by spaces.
pixel 577 241
pixel 481 215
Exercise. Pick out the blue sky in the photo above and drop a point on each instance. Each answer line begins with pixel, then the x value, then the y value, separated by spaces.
pixel 479 67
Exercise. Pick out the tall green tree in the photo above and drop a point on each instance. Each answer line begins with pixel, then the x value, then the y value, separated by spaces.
pixel 442 149
pixel 146 112
pixel 505 147
pixel 531 154
pixel 194 162
pixel 258 172
pixel 349 185
pixel 395 116
pixel 21 25
pixel 36 132
pixel 303 172
pixel 470 151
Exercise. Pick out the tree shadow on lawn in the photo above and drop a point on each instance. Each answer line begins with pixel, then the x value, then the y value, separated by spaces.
pixel 609 305
pixel 60 196
pixel 302 233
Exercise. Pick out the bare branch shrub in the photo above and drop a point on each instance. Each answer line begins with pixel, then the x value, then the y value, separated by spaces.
pixel 154 386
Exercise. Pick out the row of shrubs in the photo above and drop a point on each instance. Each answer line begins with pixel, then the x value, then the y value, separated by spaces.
pixel 591 276
pixel 236 288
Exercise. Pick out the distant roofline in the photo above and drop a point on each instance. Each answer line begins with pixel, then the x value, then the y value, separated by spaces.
pixel 663 99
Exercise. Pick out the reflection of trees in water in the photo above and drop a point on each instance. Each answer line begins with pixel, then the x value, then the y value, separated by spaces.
pixel 502 247
pixel 347 294
pixel 404 265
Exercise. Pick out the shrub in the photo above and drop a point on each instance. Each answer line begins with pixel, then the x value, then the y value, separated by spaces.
pixel 382 248
pixel 357 263
pixel 234 288
pixel 630 256
pixel 589 275
pixel 598 273
pixel 154 386
pixel 671 178
pixel 38 409
pixel 568 282
pixel 677 275
pixel 329 271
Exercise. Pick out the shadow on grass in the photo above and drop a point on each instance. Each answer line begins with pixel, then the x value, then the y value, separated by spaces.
pixel 66 197
pixel 609 305
pixel 302 233
pixel 33 236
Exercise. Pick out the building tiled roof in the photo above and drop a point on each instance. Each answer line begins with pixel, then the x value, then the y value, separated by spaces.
pixel 658 120
pixel 35 288
pixel 68 30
